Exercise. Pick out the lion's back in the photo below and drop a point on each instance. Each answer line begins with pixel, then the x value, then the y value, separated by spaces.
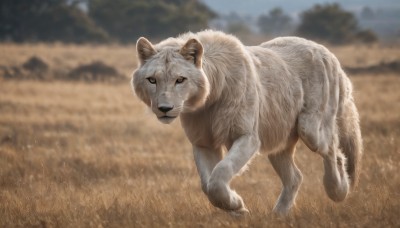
pixel 313 63
pixel 304 57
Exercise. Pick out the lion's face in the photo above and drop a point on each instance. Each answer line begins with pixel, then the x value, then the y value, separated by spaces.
pixel 169 80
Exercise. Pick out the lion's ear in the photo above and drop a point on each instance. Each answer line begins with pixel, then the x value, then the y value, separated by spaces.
pixel 144 49
pixel 193 52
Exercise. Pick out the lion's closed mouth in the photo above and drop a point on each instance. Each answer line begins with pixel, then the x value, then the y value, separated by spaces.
pixel 167 117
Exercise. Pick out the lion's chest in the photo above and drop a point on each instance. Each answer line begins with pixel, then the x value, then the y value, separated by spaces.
pixel 205 130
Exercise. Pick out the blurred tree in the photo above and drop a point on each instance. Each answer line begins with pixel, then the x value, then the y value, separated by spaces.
pixel 367 13
pixel 366 36
pixel 129 19
pixel 238 28
pixel 328 22
pixel 46 20
pixel 275 23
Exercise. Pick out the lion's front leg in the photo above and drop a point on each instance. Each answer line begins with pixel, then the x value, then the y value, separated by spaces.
pixel 218 190
pixel 206 159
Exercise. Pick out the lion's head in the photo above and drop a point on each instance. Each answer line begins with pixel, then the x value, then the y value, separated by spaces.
pixel 170 79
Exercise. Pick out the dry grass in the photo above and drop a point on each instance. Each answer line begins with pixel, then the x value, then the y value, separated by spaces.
pixel 90 155
pixel 63 58
pixel 359 56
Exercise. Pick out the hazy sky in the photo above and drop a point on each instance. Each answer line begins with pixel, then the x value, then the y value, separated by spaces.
pixel 293 7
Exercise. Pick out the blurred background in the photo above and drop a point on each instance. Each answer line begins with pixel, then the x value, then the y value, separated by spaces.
pixel 78 149
pixel 102 21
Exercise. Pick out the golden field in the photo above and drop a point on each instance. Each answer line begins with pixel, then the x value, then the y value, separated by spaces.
pixel 76 154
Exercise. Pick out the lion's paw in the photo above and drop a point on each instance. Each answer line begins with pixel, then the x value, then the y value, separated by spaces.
pixel 240 212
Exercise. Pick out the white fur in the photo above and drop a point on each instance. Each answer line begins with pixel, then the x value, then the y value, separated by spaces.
pixel 249 98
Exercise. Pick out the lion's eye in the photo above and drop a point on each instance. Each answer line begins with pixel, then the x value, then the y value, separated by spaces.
pixel 180 80
pixel 152 80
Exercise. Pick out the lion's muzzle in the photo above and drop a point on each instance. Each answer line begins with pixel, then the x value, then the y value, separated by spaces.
pixel 165 108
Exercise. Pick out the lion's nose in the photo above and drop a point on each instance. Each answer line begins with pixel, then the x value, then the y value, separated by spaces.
pixel 165 109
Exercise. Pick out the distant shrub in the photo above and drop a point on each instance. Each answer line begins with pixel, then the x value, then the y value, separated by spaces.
pixel 238 28
pixel 333 24
pixel 392 67
pixel 35 64
pixel 96 71
pixel 366 36
pixel 275 23
pixel 11 72
pixel 34 68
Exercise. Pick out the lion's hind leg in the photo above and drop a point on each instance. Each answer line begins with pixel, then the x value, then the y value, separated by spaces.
pixel 313 131
pixel 336 180
pixel 283 163
pixel 317 127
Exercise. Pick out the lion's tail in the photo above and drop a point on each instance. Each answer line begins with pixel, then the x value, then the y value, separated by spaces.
pixel 350 134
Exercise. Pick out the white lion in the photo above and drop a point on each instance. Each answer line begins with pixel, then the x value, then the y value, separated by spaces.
pixel 249 98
